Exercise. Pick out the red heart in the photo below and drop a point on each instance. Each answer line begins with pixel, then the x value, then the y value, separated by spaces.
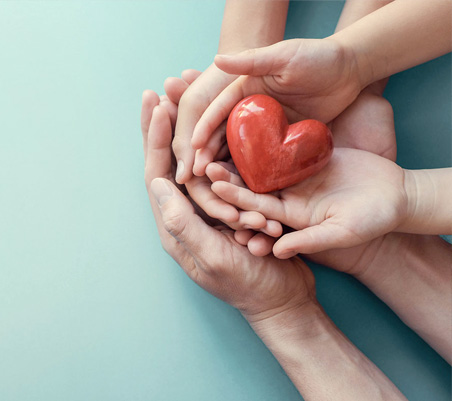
pixel 269 153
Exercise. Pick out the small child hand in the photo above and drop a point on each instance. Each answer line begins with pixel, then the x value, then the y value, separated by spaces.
pixel 358 196
pixel 311 78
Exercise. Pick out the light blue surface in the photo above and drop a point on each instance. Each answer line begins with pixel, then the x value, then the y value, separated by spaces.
pixel 91 308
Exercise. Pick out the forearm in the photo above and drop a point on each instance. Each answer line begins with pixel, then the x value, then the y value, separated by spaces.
pixel 356 9
pixel 412 274
pixel 398 36
pixel 429 194
pixel 321 362
pixel 249 24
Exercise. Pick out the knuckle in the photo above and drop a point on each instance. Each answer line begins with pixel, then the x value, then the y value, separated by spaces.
pixel 173 224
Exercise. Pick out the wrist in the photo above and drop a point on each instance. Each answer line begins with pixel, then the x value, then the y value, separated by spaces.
pixel 280 327
pixel 319 359
pixel 360 62
pixel 410 185
pixel 428 202
pixel 251 24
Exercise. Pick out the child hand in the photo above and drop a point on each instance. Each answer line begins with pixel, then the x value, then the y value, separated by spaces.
pixel 358 196
pixel 207 203
pixel 311 78
pixel 193 97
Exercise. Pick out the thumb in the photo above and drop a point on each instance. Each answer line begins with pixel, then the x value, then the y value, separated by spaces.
pixel 179 219
pixel 314 239
pixel 269 60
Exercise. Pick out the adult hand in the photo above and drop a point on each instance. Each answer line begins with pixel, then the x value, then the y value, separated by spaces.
pixel 258 287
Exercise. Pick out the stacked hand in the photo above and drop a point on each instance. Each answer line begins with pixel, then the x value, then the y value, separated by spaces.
pixel 310 78
pixel 357 197
pixel 258 287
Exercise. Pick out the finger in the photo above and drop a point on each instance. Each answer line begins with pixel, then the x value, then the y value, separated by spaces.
pixel 207 154
pixel 158 164
pixel 158 155
pixel 217 112
pixel 243 236
pixel 251 221
pixel 150 99
pixel 218 172
pixel 190 75
pixel 260 244
pixel 270 60
pixel 175 88
pixel 273 228
pixel 200 191
pixel 192 105
pixel 171 108
pixel 256 222
pixel 269 205
pixel 314 239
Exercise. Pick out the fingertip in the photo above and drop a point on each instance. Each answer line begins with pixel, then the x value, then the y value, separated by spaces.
pixel 190 75
pixel 149 98
pixel 221 59
pixel 169 81
pixel 243 236
pixel 273 228
pixel 219 187
pixel 283 252
pixel 146 93
pixel 202 158
pixel 230 215
pixel 260 245
pixel 252 220
pixel 159 112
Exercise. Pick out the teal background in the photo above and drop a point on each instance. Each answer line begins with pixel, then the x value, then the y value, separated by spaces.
pixel 91 307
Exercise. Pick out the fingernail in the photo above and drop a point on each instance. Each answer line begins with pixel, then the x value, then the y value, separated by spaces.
pixel 180 169
pixel 161 190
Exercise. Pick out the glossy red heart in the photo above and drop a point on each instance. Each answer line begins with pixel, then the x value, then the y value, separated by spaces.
pixel 269 153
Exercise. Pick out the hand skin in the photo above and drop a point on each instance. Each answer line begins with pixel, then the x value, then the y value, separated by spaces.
pixel 411 273
pixel 357 197
pixel 320 78
pixel 398 36
pixel 199 188
pixel 417 266
pixel 276 297
pixel 311 78
pixel 246 24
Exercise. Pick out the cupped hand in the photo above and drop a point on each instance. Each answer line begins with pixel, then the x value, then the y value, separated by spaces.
pixel 194 99
pixel 258 287
pixel 367 124
pixel 357 197
pixel 199 187
pixel 311 78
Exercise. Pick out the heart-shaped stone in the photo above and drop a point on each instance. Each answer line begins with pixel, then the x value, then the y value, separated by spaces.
pixel 269 153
